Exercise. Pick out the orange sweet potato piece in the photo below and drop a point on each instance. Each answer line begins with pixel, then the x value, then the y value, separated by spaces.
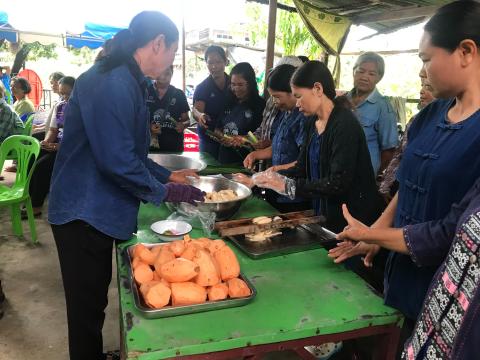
pixel 190 251
pixel 164 256
pixel 156 250
pixel 156 294
pixel 135 262
pixel 217 292
pixel 143 273
pixel 188 293
pixel 137 249
pixel 237 288
pixel 179 270
pixel 207 275
pixel 216 245
pixel 202 242
pixel 156 277
pixel 228 263
pixel 177 247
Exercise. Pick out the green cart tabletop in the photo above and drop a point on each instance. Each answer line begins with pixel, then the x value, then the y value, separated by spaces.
pixel 298 296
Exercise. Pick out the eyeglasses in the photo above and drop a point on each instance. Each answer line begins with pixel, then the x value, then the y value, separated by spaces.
pixel 238 85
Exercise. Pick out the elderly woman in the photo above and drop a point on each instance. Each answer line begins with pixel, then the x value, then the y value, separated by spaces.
pixel 23 106
pixel 10 123
pixel 375 113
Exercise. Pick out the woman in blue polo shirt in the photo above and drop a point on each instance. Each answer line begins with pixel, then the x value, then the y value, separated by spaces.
pixel 243 112
pixel 210 97
pixel 441 160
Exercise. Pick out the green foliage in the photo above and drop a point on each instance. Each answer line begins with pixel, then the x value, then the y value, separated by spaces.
pixel 37 50
pixel 83 55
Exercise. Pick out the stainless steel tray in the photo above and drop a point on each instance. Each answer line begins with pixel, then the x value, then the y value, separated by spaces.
pixel 168 311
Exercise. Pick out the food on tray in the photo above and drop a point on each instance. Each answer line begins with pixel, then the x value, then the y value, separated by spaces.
pixel 188 293
pixel 262 235
pixel 169 233
pixel 186 272
pixel 222 195
pixel 237 288
pixel 261 220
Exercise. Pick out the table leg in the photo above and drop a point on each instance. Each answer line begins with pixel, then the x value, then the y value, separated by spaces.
pixel 387 345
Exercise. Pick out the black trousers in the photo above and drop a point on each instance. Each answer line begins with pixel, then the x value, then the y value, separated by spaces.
pixel 40 181
pixel 85 256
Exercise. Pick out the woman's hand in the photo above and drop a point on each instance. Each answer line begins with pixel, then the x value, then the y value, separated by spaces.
pixel 48 146
pixel 155 129
pixel 181 176
pixel 270 180
pixel 348 249
pixel 243 179
pixel 355 230
pixel 249 161
pixel 203 120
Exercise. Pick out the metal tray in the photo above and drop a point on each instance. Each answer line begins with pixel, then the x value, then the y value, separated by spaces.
pixel 301 238
pixel 168 311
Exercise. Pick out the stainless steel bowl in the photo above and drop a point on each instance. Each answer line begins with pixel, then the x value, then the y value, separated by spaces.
pixel 224 209
pixel 177 162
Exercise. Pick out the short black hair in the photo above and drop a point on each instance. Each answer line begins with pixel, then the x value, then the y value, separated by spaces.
pixel 453 23
pixel 67 80
pixel 279 78
pixel 24 84
pixel 214 49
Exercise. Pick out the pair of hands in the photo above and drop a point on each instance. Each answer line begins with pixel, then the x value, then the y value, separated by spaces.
pixel 48 146
pixel 156 129
pixel 180 190
pixel 355 241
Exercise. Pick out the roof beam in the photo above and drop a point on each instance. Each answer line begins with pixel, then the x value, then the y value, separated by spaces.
pixel 401 14
pixel 280 6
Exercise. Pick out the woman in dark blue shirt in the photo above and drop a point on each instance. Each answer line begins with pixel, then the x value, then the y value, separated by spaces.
pixel 168 114
pixel 243 112
pixel 210 97
pixel 288 137
pixel 441 161
pixel 102 171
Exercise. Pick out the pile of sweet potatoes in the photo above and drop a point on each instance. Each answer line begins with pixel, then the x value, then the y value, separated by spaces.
pixel 186 272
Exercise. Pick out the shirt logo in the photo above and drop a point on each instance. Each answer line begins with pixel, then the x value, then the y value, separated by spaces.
pixel 230 129
pixel 173 102
pixel 248 114
pixel 212 95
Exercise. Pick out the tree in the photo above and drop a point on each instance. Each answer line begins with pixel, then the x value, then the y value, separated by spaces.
pixel 31 51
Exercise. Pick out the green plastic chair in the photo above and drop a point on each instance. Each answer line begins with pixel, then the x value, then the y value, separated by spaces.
pixel 28 125
pixel 26 149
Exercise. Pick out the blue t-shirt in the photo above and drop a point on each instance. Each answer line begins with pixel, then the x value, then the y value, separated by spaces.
pixel 379 124
pixel 215 100
pixel 288 137
pixel 102 171
pixel 315 169
pixel 241 119
pixel 440 164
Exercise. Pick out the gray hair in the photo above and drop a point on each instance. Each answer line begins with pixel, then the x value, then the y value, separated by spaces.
pixel 371 56
pixel 290 60
pixel 3 91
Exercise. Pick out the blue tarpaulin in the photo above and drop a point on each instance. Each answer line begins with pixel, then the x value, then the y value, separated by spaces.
pixel 7 32
pixel 93 37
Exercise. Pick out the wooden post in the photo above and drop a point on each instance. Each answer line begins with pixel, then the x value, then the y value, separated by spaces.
pixel 272 22
pixel 184 80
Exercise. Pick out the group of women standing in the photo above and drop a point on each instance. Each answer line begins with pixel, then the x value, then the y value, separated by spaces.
pixel 431 227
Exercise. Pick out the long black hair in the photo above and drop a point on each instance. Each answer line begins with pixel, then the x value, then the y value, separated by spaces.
pixel 143 28
pixel 245 70
pixel 453 23
pixel 317 72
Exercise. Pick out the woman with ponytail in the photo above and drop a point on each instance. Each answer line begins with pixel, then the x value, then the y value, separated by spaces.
pixel 102 171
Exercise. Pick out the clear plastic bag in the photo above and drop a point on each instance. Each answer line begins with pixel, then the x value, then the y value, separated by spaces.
pixel 190 213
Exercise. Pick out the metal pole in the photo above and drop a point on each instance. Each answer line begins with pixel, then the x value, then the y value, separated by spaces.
pixel 272 22
pixel 184 80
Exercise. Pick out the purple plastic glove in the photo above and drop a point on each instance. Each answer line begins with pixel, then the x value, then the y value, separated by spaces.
pixel 183 193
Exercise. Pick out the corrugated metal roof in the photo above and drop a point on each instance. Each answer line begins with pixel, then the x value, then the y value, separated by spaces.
pixel 381 15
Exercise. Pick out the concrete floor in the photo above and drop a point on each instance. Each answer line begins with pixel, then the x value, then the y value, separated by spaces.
pixel 34 325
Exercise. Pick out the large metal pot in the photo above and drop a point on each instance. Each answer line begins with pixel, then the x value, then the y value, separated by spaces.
pixel 177 162
pixel 224 209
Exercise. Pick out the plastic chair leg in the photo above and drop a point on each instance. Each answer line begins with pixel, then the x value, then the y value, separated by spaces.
pixel 16 220
pixel 31 221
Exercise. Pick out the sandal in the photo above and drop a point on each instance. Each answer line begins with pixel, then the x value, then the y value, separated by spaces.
pixel 324 351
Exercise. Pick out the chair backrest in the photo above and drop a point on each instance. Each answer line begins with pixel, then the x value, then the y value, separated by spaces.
pixel 26 149
pixel 28 125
